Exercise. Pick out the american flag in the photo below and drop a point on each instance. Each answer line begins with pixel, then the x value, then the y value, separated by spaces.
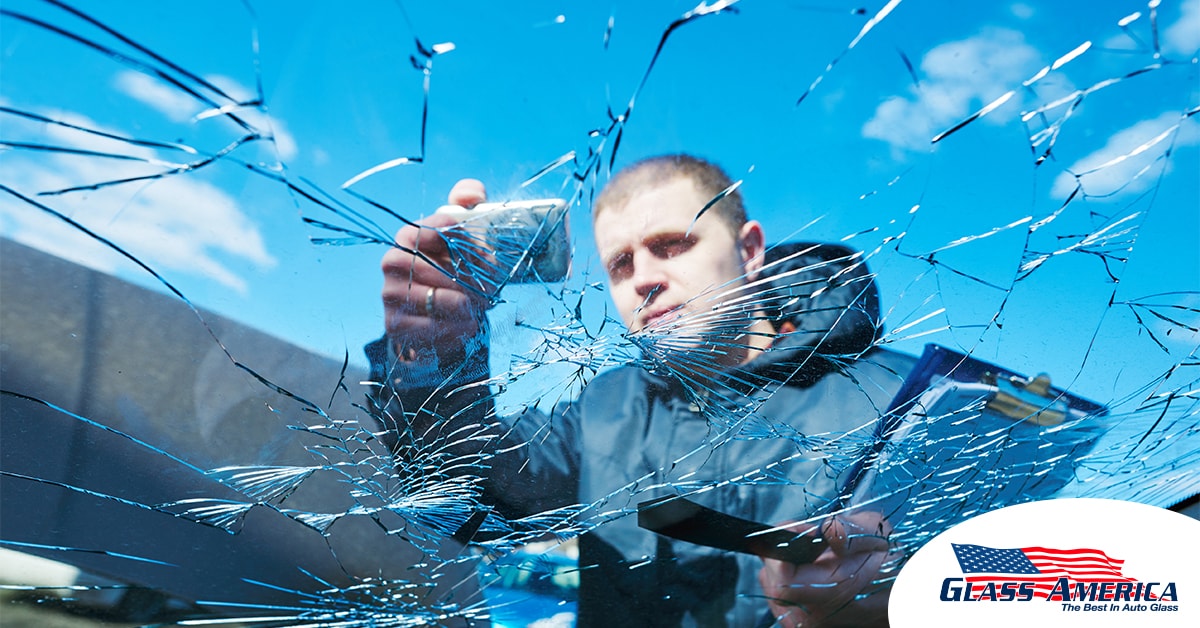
pixel 1042 566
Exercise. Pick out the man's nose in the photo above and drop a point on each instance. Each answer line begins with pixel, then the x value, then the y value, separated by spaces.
pixel 649 277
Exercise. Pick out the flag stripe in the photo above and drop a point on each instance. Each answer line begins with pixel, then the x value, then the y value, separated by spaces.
pixel 1083 563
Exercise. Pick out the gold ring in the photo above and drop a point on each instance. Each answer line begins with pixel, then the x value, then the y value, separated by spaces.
pixel 429 302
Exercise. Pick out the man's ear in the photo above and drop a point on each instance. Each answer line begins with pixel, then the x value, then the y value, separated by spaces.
pixel 752 248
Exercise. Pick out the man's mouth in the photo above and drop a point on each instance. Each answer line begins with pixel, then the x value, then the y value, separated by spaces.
pixel 661 316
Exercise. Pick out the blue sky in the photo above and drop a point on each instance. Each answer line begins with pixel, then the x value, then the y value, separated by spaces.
pixel 526 83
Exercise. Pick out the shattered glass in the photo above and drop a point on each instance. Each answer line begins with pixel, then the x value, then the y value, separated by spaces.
pixel 196 197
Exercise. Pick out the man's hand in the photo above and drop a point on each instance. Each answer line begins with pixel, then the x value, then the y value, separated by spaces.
pixel 427 305
pixel 825 592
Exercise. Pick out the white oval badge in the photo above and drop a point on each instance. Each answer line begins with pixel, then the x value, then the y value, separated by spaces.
pixel 1062 562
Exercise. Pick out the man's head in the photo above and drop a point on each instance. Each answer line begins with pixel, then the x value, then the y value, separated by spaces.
pixel 667 261
pixel 709 178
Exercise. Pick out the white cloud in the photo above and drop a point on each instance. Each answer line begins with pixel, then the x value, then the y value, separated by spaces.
pixel 180 223
pixel 1183 37
pixel 178 106
pixel 1121 42
pixel 1118 166
pixel 284 141
pixel 1022 10
pixel 172 103
pixel 958 78
pixel 320 158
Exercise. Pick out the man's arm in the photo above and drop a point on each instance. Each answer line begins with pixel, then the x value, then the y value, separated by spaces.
pixel 431 369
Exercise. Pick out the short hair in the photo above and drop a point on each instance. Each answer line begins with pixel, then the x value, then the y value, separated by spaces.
pixel 656 171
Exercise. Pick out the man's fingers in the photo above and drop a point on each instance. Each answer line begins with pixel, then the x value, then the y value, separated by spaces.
pixel 824 592
pixel 425 236
pixel 435 284
pixel 776 578
pixel 782 580
pixel 468 193
pixel 423 255
pixel 857 533
pixel 420 329
pixel 402 271
pixel 817 590
pixel 411 297
pixel 440 319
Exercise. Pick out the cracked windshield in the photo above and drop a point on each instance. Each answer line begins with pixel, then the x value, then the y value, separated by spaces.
pixel 406 313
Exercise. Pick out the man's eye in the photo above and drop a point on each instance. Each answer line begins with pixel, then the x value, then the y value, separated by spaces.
pixel 619 266
pixel 668 248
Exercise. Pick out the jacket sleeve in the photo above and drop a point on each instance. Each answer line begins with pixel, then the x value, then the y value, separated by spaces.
pixel 440 423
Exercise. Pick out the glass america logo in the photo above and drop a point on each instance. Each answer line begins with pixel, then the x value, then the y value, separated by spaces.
pixel 1024 574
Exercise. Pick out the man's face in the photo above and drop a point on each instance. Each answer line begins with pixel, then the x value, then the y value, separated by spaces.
pixel 658 261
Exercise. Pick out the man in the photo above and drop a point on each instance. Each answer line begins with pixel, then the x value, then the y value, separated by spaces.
pixel 761 361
